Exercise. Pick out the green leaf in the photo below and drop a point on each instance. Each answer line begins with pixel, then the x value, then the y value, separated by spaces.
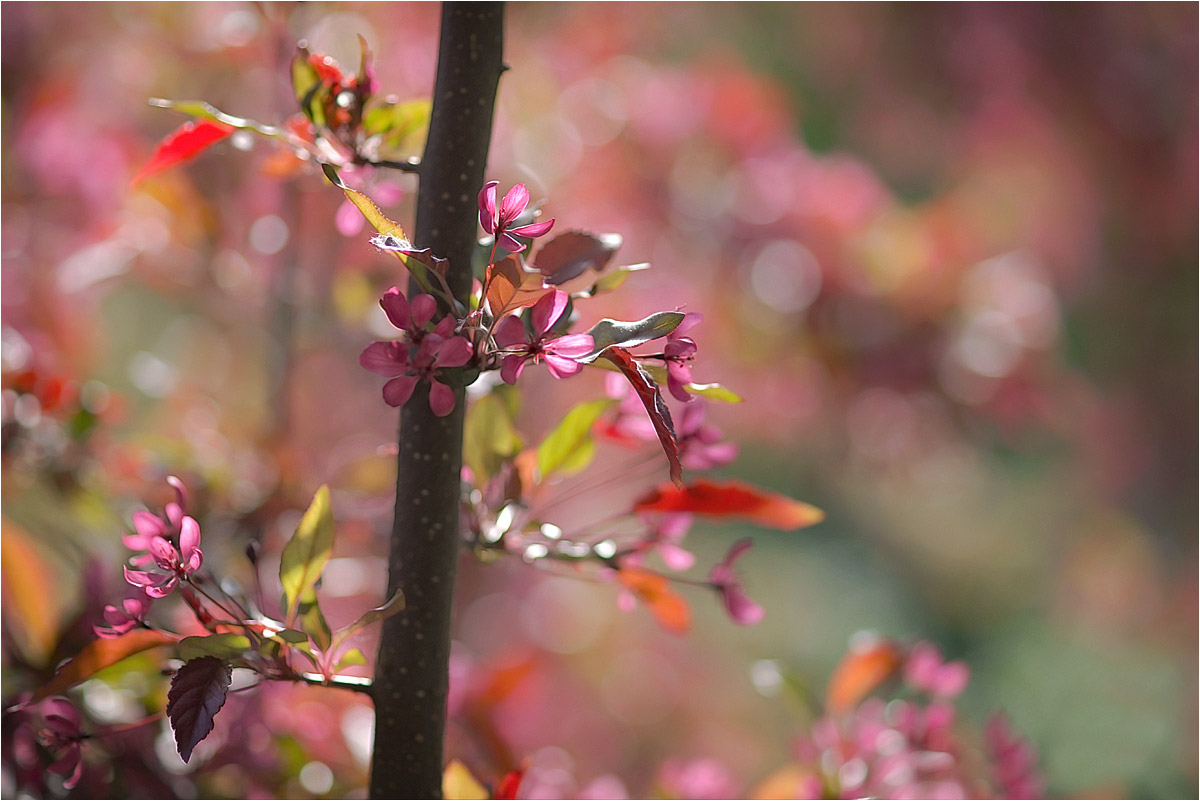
pixel 206 111
pixel 569 447
pixel 306 85
pixel 352 658
pixel 489 436
pixel 305 555
pixel 223 646
pixel 713 392
pixel 312 621
pixel 608 333
pixel 401 125
pixel 393 605
pixel 612 280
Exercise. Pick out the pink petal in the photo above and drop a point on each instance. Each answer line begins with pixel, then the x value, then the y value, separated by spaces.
pixel 397 391
pixel 164 589
pixel 189 538
pixel 676 558
pixel 454 352
pixel 561 367
pixel 688 322
pixel 510 244
pixel 387 359
pixel 515 201
pixel 163 552
pixel 139 578
pixel 510 332
pixel 511 369
pixel 487 206
pixel 147 526
pixel 534 229
pixel 441 398
pixel 395 305
pixel 741 609
pixel 951 679
pixel 572 346
pixel 423 308
pixel 547 311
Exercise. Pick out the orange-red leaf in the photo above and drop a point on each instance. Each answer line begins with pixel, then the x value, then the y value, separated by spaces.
pixel 862 670
pixel 512 287
pixel 185 143
pixel 31 613
pixel 99 654
pixel 670 609
pixel 732 499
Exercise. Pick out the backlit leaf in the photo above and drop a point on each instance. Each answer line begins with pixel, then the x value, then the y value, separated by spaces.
pixel 612 280
pixel 402 125
pixel 459 784
pixel 312 620
pixel 196 696
pixel 732 499
pixel 223 646
pixel 489 436
pixel 305 555
pixel 713 392
pixel 352 657
pixel 378 220
pixel 669 608
pixel 608 333
pixel 569 447
pixel 570 254
pixel 512 287
pixel 99 654
pixel 187 142
pixel 31 613
pixel 393 605
pixel 651 398
pixel 860 672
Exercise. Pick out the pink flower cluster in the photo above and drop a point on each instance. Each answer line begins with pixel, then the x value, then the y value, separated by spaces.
pixel 172 542
pixel 428 351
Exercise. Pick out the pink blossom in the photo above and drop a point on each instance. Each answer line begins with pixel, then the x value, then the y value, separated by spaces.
pixel 149 526
pixel 925 671
pixel 176 563
pixel 701 445
pixel 60 734
pixel 126 617
pixel 725 580
pixel 560 353
pixel 1014 761
pixel 678 353
pixel 697 778
pixel 498 222
pixel 423 356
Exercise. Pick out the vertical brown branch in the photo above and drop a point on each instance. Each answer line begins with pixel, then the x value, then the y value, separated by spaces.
pixel 411 672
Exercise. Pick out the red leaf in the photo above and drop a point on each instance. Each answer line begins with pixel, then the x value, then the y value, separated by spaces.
pixel 670 609
pixel 98 655
pixel 656 407
pixel 511 287
pixel 732 499
pixel 568 255
pixel 196 696
pixel 861 670
pixel 185 143
pixel 509 784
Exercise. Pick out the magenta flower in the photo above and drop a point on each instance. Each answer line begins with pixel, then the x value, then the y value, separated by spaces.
pixel 60 734
pixel 925 671
pixel 176 563
pixel 560 353
pixel 426 352
pixel 1014 761
pixel 126 617
pixel 678 353
pixel 148 526
pixel 726 581
pixel 498 222
pixel 701 446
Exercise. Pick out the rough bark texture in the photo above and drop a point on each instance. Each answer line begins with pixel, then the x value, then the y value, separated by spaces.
pixel 411 673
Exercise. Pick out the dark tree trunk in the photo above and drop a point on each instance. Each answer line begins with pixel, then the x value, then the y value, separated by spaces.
pixel 411 672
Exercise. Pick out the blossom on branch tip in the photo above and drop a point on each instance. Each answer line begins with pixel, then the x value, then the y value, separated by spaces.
pixel 166 525
pixel 176 563
pixel 924 670
pixel 498 221
pixel 560 353
pixel 126 617
pixel 726 581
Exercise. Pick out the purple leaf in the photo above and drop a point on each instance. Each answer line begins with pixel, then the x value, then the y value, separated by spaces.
pixel 197 694
pixel 652 399
pixel 569 255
